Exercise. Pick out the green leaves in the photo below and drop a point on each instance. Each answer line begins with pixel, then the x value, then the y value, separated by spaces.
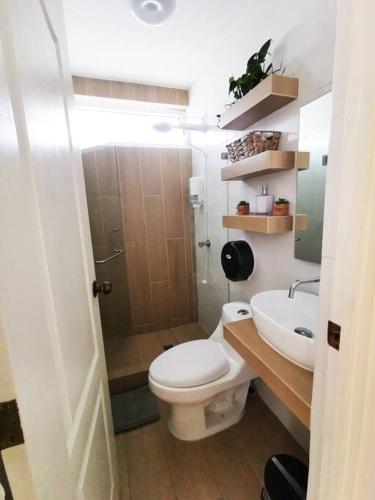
pixel 255 73
pixel 262 54
pixel 269 68
pixel 232 84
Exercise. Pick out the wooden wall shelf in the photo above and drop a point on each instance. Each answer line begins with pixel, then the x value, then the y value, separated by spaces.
pixel 266 224
pixel 265 163
pixel 271 94
pixel 292 384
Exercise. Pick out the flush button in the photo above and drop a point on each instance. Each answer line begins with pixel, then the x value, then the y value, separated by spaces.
pixel 243 312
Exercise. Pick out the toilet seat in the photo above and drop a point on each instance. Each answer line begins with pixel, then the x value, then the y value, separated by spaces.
pixel 190 364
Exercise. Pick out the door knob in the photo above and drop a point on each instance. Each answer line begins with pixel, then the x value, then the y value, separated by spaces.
pixel 105 288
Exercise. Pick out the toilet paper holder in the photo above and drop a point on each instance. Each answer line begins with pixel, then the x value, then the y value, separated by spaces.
pixel 237 260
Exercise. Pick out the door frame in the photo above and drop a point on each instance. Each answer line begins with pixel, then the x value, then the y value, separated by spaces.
pixel 342 454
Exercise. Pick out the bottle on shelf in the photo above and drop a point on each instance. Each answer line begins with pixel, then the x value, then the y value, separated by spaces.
pixel 264 201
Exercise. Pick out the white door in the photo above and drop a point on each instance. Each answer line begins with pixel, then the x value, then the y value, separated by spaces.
pixel 48 315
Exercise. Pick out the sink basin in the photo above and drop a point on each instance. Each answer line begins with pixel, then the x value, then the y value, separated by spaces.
pixel 276 317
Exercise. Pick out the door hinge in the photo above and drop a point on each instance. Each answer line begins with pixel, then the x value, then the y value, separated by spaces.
pixel 333 335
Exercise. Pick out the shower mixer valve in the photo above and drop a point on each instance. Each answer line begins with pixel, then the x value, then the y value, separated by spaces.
pixel 206 243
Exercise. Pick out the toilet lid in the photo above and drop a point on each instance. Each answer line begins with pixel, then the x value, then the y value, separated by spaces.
pixel 190 364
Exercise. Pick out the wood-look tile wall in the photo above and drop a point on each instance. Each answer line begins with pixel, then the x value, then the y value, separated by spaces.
pixel 148 191
pixel 130 91
pixel 159 236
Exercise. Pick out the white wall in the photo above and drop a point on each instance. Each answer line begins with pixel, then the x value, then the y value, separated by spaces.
pixel 303 36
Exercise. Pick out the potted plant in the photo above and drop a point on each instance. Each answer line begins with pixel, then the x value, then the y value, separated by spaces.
pixel 281 207
pixel 243 208
pixel 256 71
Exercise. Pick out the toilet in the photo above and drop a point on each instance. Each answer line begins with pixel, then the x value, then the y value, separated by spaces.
pixel 205 381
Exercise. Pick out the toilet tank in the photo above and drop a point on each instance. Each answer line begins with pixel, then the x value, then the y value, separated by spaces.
pixel 234 311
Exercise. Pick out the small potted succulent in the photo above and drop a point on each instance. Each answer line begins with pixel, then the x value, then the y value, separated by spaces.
pixel 281 207
pixel 243 208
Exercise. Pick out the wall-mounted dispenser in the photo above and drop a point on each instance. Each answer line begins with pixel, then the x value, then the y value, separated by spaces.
pixel 237 260
pixel 196 186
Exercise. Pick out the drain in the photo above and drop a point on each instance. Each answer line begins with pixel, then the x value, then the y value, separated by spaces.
pixel 305 332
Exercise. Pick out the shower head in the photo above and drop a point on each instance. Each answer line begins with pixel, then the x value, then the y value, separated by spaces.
pixel 163 127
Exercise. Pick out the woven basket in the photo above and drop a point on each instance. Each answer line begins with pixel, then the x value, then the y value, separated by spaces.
pixel 253 143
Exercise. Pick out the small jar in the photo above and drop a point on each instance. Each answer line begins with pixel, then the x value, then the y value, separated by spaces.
pixel 243 208
pixel 280 209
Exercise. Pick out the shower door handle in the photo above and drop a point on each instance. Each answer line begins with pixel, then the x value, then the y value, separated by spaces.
pixel 105 288
pixel 111 257
pixel 116 251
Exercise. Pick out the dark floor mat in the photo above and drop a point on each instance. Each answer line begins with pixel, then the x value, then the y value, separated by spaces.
pixel 133 408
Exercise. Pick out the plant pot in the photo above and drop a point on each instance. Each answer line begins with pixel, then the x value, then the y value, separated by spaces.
pixel 243 209
pixel 280 209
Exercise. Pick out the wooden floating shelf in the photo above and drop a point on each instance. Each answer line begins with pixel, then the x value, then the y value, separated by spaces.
pixel 265 163
pixel 269 95
pixel 292 384
pixel 266 224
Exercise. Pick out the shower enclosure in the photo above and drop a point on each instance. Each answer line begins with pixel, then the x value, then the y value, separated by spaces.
pixel 142 232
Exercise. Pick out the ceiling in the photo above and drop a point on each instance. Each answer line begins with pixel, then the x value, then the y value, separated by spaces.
pixel 106 41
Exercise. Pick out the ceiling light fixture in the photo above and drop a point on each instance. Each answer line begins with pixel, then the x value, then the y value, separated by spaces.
pixel 152 12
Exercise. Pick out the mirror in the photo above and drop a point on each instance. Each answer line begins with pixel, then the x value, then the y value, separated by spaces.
pixel 314 133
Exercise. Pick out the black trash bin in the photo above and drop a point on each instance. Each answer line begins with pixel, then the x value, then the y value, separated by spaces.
pixel 285 478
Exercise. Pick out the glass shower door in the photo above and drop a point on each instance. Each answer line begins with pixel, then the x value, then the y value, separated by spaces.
pixel 106 225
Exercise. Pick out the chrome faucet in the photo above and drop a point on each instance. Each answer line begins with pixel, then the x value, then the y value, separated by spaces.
pixel 297 283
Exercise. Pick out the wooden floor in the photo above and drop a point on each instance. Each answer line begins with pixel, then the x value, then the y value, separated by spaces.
pixel 128 358
pixel 153 465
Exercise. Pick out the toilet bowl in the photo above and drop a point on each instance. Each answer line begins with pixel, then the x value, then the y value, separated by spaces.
pixel 205 381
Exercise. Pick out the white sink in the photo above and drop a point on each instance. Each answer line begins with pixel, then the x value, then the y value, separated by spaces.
pixel 276 316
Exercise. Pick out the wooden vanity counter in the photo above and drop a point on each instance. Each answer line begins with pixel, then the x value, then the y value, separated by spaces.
pixel 292 384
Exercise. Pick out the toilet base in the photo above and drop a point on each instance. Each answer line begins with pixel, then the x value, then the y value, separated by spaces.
pixel 198 421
